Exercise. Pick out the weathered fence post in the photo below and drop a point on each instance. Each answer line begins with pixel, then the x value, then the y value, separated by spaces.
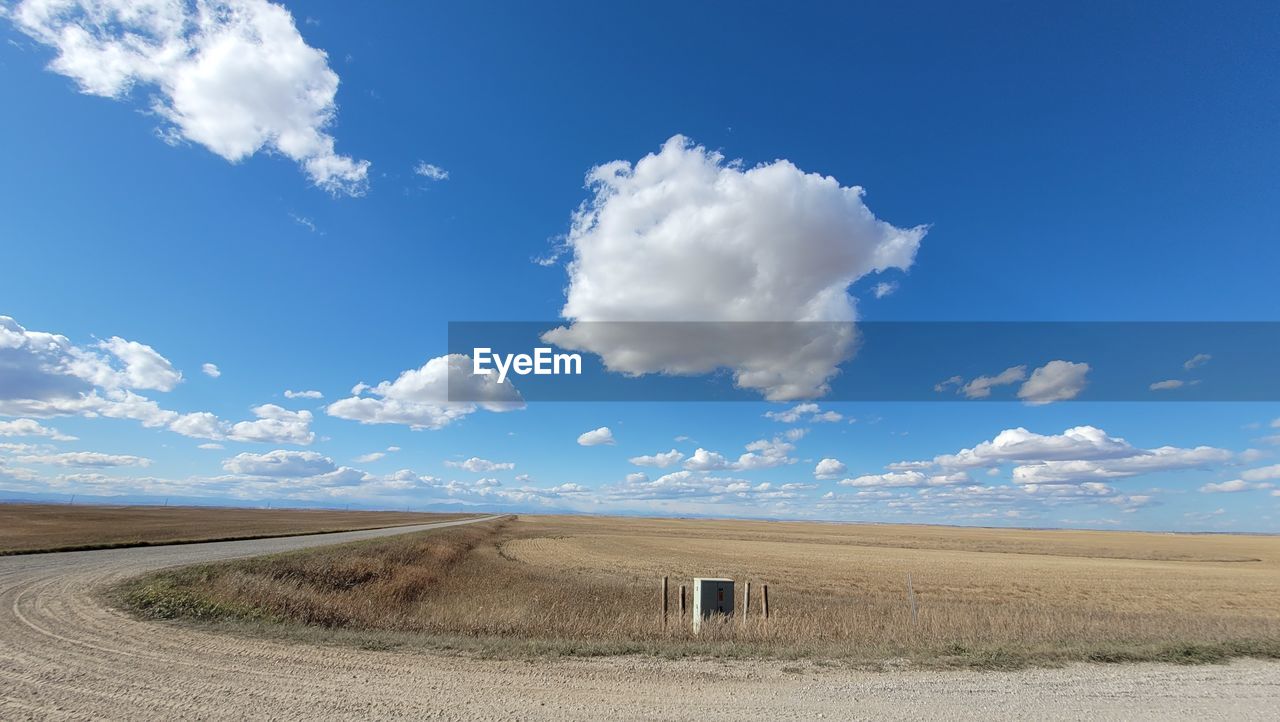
pixel 682 604
pixel 764 601
pixel 746 601
pixel 664 602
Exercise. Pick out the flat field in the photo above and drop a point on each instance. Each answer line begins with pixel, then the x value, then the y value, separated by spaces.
pixel 990 597
pixel 26 528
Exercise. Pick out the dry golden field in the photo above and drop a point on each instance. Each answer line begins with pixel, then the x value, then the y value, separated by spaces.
pixel 591 585
pixel 52 527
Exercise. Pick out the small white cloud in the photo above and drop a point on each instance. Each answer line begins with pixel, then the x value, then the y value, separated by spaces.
pixel 419 398
pixel 794 486
pixel 660 460
pixel 1196 361
pixel 309 394
pixel 210 370
pixel 144 368
pixel 280 463
pixel 766 454
pixel 274 425
pixel 884 288
pixel 476 465
pixel 954 382
pixel 1204 516
pixel 898 479
pixel 199 425
pixel 1167 385
pixel 211 446
pixel 1266 473
pixel 31 427
pixel 1234 486
pixel 431 172
pixel 806 412
pixel 980 387
pixel 1055 381
pixel 596 437
pixel 305 222
pixel 89 459
pixel 760 454
pixel 371 456
pixel 704 460
pixel 1250 456
pixel 830 469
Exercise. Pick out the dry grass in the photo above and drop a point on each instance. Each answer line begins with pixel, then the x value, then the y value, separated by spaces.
pixel 28 528
pixel 590 585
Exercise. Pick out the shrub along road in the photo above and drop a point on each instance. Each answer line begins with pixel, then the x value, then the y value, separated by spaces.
pixel 66 655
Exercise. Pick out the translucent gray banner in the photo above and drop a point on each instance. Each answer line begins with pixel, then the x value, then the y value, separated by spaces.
pixel 1028 362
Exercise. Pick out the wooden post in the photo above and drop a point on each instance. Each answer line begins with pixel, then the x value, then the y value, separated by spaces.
pixel 681 603
pixel 746 601
pixel 764 601
pixel 664 602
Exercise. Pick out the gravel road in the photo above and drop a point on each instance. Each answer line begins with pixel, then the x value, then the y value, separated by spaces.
pixel 63 655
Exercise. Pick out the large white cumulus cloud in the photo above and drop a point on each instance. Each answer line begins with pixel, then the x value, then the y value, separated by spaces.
pixel 684 235
pixel 232 75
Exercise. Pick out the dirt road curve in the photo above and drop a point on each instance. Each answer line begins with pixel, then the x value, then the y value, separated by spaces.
pixel 64 656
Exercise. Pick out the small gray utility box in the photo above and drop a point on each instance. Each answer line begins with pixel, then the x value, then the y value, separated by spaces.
pixel 711 596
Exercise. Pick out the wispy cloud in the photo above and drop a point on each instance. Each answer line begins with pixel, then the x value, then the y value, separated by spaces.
pixel 430 171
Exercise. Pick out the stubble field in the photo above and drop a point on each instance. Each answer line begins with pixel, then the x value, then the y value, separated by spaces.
pixel 590 585
pixel 28 528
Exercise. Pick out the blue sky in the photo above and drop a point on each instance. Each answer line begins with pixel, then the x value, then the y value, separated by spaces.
pixel 1103 162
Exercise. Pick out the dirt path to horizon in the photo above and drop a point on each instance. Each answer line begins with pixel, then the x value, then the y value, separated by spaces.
pixel 63 655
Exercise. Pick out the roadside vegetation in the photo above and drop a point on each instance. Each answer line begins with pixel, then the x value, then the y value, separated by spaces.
pixel 838 593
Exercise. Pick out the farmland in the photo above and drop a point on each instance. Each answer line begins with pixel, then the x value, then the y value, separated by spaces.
pixel 26 528
pixel 589 585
